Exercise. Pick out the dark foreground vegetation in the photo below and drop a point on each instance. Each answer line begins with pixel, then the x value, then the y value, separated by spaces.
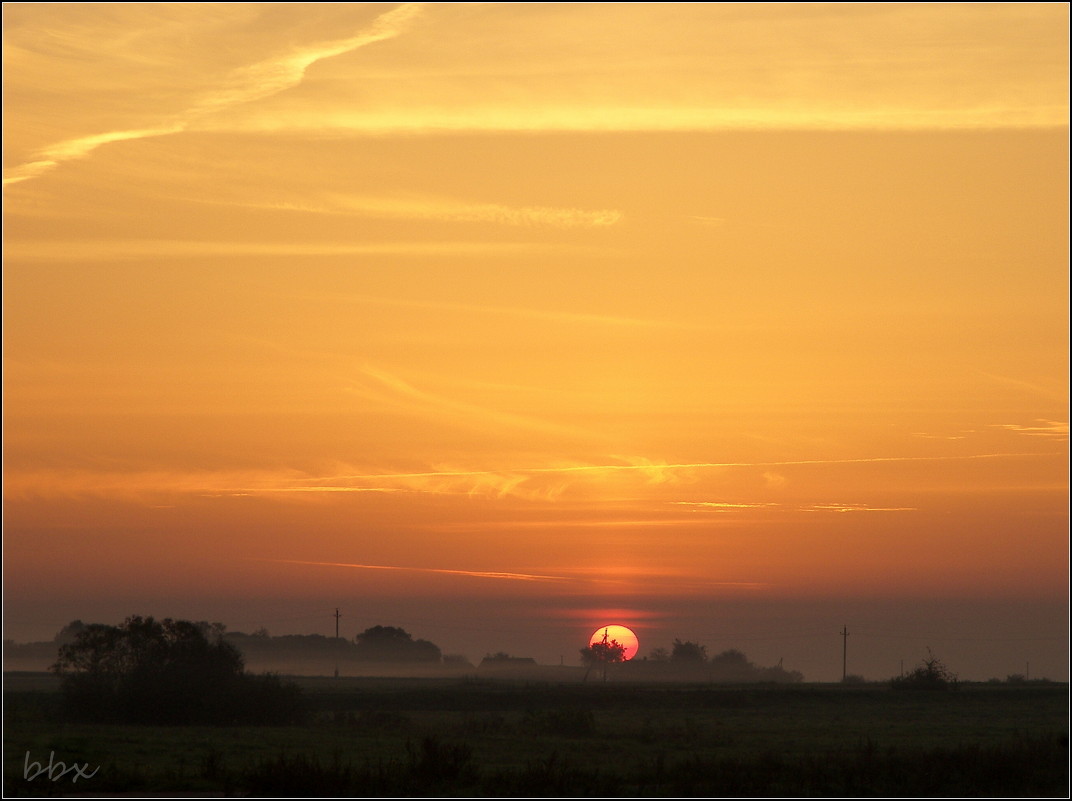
pixel 454 737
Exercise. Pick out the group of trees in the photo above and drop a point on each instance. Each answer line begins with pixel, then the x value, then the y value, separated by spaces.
pixel 375 644
pixel 165 671
pixel 178 671
pixel 391 644
pixel 689 657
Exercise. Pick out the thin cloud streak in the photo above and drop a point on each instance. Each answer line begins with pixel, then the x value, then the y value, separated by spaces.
pixel 606 119
pixel 274 75
pixel 146 484
pixel 723 507
pixel 512 481
pixel 471 573
pixel 82 250
pixel 695 465
pixel 434 405
pixel 54 155
pixel 513 311
pixel 816 507
pixel 853 507
pixel 443 210
pixel 244 85
pixel 1035 389
pixel 586 576
pixel 1045 428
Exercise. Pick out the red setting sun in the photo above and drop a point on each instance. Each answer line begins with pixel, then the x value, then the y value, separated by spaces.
pixel 622 635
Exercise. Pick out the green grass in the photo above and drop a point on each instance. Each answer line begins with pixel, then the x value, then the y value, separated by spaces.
pixel 464 737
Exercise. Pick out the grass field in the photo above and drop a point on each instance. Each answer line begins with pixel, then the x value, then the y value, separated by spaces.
pixel 464 737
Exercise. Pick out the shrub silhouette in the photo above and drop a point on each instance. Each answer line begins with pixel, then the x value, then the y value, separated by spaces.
pixel 688 652
pixel 168 671
pixel 932 674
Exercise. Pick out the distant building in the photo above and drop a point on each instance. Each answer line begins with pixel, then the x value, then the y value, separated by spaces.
pixel 501 660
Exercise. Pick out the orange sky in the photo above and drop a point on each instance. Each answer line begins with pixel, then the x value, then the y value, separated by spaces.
pixel 559 308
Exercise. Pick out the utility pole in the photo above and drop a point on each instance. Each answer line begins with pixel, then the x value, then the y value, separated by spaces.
pixel 844 650
pixel 603 653
pixel 337 616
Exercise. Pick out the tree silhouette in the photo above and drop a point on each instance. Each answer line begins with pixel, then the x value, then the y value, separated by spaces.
pixel 168 671
pixel 732 665
pixel 392 644
pixel 602 654
pixel 689 652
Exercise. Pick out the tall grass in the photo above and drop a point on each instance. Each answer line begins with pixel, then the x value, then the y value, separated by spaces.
pixel 1029 767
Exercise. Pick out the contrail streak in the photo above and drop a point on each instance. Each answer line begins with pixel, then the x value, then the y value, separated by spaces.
pixel 473 573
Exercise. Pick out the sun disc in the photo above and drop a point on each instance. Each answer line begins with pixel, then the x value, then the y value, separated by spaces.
pixel 622 635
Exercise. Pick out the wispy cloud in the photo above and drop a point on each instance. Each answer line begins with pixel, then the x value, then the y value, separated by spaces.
pixel 1035 389
pixel 54 155
pixel 146 486
pixel 986 68
pixel 563 523
pixel 485 574
pixel 515 480
pixel 244 85
pixel 709 222
pixel 571 118
pixel 716 506
pixel 443 209
pixel 854 507
pixel 287 70
pixel 647 466
pixel 719 506
pixel 924 435
pixel 113 249
pixel 1042 428
pixel 515 311
pixel 437 406
pixel 149 486
pixel 616 576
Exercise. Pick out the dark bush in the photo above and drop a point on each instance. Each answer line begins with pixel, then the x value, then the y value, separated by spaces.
pixel 932 674
pixel 169 671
